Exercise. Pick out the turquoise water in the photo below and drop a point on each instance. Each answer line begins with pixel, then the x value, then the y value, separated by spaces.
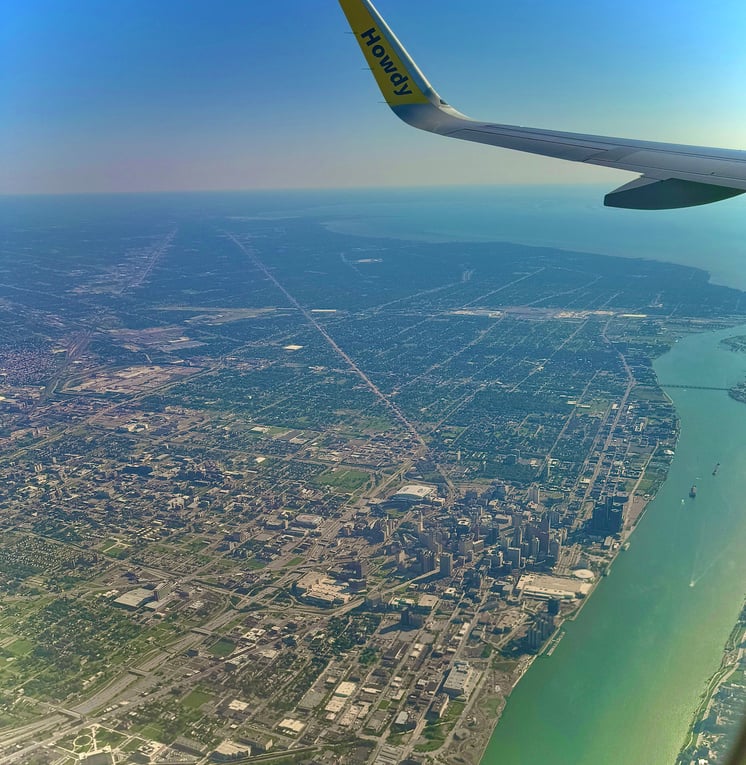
pixel 624 682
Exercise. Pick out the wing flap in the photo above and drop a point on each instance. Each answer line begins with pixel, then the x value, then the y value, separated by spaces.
pixel 653 194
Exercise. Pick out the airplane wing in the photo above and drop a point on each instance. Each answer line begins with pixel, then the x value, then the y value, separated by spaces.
pixel 672 175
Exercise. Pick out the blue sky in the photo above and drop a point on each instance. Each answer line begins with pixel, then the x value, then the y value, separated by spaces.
pixel 218 94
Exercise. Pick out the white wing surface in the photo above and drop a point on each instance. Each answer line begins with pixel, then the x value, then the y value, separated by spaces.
pixel 672 175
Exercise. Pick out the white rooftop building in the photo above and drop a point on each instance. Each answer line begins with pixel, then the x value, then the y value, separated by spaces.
pixel 544 587
pixel 414 492
pixel 135 598
pixel 461 680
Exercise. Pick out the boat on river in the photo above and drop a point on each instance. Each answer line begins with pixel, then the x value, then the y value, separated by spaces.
pixel 693 492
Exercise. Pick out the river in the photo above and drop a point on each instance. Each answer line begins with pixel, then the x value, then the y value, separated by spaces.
pixel 624 682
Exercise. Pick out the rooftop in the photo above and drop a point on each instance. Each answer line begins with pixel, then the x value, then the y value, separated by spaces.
pixel 413 492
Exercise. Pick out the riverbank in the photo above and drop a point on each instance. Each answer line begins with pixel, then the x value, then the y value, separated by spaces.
pixel 494 695
pixel 635 512
pixel 653 629
pixel 718 718
pixel 495 690
pixel 486 708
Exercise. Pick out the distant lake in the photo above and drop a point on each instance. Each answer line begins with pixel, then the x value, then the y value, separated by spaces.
pixel 712 237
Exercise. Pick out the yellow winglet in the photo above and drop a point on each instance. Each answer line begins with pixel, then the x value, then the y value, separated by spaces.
pixel 398 77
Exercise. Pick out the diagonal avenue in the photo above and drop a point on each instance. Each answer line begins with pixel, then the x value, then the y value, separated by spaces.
pixel 308 316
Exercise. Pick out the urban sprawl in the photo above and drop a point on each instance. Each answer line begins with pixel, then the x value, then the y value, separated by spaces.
pixel 272 494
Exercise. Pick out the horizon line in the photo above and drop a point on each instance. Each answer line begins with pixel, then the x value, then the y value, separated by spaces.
pixel 298 189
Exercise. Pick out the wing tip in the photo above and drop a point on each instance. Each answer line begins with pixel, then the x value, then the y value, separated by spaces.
pixel 399 79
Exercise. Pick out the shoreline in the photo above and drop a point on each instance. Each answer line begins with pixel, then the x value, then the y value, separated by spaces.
pixel 499 682
pixel 697 733
pixel 486 699
pixel 345 226
pixel 638 510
